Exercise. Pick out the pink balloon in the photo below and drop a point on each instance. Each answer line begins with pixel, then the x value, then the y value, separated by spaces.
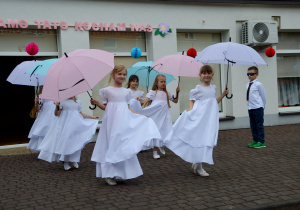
pixel 32 49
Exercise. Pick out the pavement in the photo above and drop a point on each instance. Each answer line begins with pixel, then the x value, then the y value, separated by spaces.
pixel 241 178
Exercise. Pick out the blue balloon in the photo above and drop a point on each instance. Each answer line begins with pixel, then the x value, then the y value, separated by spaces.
pixel 136 52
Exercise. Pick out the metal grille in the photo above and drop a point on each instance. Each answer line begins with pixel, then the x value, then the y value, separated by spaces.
pixel 260 32
pixel 245 33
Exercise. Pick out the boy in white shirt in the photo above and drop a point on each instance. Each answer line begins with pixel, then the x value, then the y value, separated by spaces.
pixel 256 97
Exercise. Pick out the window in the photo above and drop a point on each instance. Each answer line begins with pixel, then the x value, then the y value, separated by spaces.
pixel 189 36
pixel 16 40
pixel 199 41
pixel 288 70
pixel 120 43
pixel 288 41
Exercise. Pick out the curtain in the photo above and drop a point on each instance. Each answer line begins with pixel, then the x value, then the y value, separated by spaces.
pixel 289 91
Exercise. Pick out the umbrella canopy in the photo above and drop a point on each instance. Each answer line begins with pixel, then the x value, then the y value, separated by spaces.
pixel 76 73
pixel 42 67
pixel 146 73
pixel 178 65
pixel 229 52
pixel 18 75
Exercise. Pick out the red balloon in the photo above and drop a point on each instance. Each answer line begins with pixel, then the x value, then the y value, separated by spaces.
pixel 32 49
pixel 270 52
pixel 192 52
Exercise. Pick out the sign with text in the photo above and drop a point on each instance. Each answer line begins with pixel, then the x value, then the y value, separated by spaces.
pixel 78 26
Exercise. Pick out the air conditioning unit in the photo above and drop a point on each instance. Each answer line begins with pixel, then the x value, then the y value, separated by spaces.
pixel 259 32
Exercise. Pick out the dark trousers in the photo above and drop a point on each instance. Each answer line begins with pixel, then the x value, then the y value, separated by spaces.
pixel 257 124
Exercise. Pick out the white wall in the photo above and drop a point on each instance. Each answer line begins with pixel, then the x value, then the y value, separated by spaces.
pixel 225 19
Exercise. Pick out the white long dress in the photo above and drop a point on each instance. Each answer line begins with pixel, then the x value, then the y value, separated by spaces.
pixel 41 124
pixel 195 133
pixel 68 135
pixel 135 104
pixel 159 111
pixel 121 136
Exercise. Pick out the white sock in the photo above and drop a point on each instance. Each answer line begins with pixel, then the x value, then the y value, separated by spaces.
pixel 200 167
pixel 154 152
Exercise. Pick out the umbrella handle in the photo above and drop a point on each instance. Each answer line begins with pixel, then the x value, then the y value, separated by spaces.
pixel 95 106
pixel 92 108
pixel 229 97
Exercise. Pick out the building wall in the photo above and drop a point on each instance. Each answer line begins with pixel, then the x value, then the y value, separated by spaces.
pixel 196 17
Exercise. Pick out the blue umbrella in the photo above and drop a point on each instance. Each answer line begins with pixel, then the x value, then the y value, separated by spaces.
pixel 39 71
pixel 146 73
pixel 41 68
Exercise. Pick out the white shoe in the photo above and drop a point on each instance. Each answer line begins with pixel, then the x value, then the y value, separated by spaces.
pixel 195 166
pixel 75 165
pixel 110 181
pixel 156 156
pixel 67 166
pixel 162 150
pixel 202 172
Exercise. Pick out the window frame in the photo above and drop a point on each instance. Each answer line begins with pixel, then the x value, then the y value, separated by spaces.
pixel 288 53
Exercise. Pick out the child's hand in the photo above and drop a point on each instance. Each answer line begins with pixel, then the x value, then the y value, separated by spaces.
pixel 138 98
pixel 57 103
pixel 187 110
pixel 178 89
pixel 93 102
pixel 36 99
pixel 225 92
pixel 94 117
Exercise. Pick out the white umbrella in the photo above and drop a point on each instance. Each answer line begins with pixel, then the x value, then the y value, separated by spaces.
pixel 230 53
pixel 18 76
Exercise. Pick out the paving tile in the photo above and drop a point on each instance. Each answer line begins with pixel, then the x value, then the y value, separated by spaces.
pixel 241 178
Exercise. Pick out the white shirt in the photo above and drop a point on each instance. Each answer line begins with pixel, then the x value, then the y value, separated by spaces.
pixel 257 95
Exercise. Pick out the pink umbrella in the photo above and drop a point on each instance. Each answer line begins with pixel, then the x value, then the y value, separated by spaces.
pixel 178 65
pixel 76 73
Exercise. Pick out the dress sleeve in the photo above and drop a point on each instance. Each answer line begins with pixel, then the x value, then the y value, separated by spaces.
pixel 103 96
pixel 194 94
pixel 151 95
pixel 215 88
pixel 171 96
pixel 141 94
pixel 79 106
pixel 128 96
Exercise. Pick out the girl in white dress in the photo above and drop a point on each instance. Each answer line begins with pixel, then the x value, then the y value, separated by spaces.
pixel 69 133
pixel 157 106
pixel 42 123
pixel 132 85
pixel 195 133
pixel 123 132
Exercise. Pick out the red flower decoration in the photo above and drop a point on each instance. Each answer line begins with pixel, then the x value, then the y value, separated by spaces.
pixel 32 49
pixel 192 52
pixel 270 52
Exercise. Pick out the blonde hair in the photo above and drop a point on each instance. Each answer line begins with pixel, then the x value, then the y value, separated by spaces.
pixel 116 69
pixel 155 87
pixel 34 112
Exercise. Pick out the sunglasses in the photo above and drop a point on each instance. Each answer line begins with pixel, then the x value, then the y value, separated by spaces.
pixel 251 74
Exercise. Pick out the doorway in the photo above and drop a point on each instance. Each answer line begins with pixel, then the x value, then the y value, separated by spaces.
pixel 17 102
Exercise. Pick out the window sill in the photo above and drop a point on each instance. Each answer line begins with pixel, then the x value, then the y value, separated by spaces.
pixel 288 113
pixel 226 118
